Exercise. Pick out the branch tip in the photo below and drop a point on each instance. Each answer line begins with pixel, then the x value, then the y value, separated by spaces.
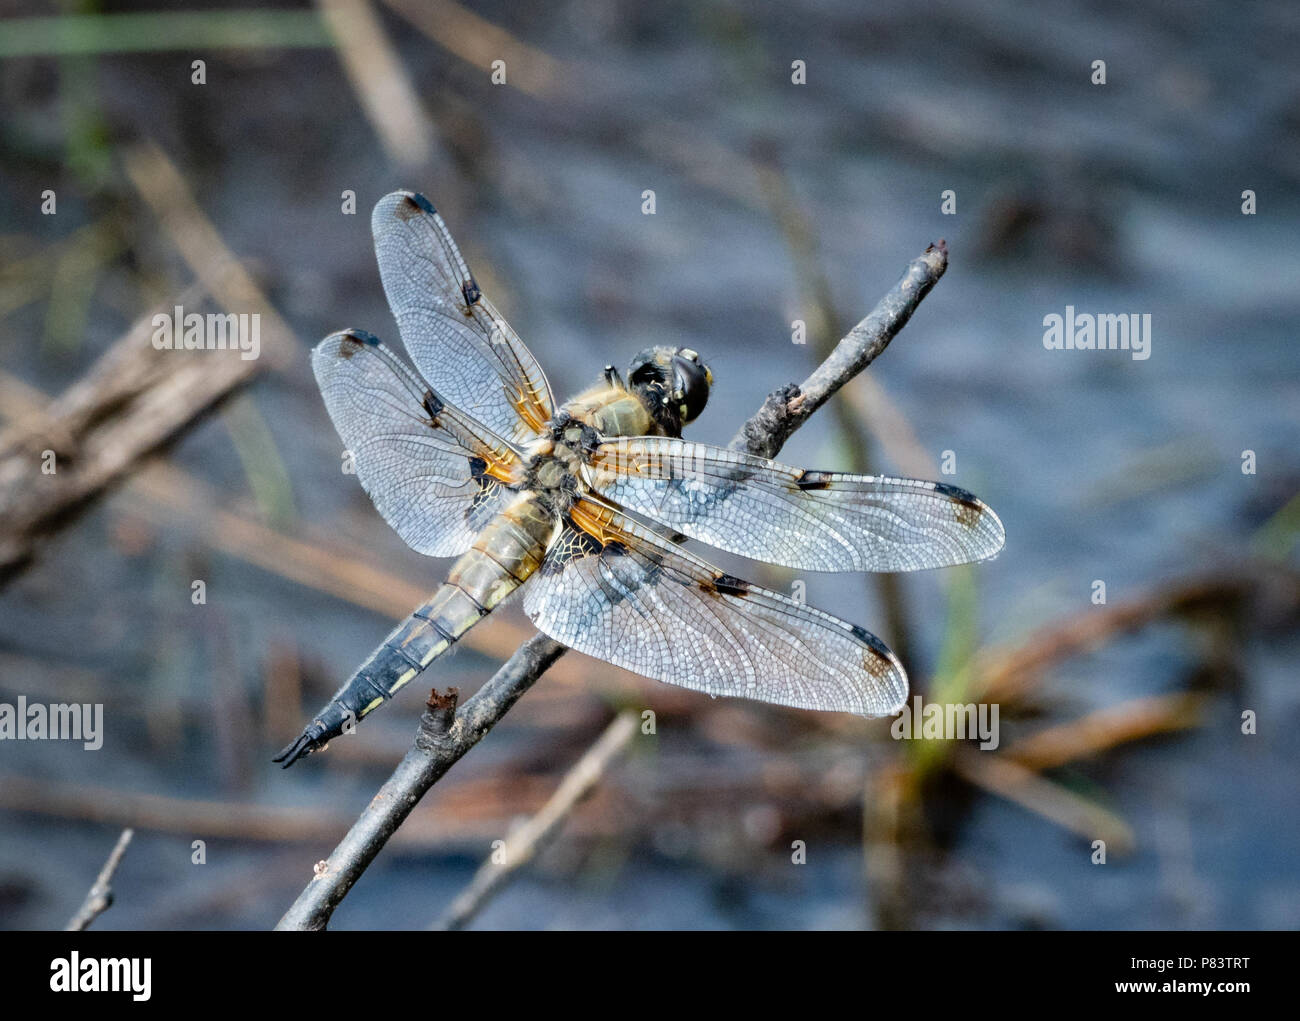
pixel 440 711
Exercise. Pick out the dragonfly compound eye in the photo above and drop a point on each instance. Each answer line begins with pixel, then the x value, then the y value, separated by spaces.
pixel 691 379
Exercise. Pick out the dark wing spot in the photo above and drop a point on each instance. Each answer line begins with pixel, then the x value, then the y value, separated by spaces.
pixel 968 514
pixel 583 544
pixel 870 640
pixel 486 503
pixel 809 480
pixel 573 544
pixel 412 205
pixel 470 290
pixel 354 340
pixel 877 660
pixel 877 663
pixel 966 506
pixel 349 346
pixel 433 406
pixel 730 585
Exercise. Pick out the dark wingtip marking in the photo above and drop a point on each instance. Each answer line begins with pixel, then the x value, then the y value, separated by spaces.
pixel 412 205
pixel 968 509
pixel 956 492
pixel 352 341
pixel 433 406
pixel 870 640
pixel 809 480
pixel 470 291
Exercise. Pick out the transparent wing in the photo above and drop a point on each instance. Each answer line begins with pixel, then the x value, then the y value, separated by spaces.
pixel 456 338
pixel 613 589
pixel 814 521
pixel 435 474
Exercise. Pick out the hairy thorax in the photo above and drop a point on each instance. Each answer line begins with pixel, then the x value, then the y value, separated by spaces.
pixel 553 468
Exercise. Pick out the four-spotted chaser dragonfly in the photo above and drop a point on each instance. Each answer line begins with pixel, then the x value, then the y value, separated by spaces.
pixel 470 457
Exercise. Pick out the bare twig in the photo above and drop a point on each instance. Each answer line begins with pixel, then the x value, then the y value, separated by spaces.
pixel 787 409
pixel 1099 731
pixel 129 404
pixel 204 250
pixel 526 841
pixel 479 42
pixel 380 81
pixel 434 753
pixel 133 400
pixel 1017 783
pixel 1014 773
pixel 818 307
pixel 444 735
pixel 1003 674
pixel 212 820
pixel 100 896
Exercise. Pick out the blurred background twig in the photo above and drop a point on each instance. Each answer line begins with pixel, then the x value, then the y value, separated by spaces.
pixel 100 897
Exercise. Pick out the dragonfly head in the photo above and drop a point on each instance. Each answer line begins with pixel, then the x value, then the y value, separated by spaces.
pixel 672 382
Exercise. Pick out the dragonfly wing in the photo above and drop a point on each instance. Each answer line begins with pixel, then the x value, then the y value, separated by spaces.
pixel 810 520
pixel 613 589
pixel 436 475
pixel 455 336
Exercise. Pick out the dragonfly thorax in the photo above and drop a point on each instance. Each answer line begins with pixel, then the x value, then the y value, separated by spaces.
pixel 554 467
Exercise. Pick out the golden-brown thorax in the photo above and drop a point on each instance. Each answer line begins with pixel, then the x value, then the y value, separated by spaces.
pixel 612 411
pixel 555 460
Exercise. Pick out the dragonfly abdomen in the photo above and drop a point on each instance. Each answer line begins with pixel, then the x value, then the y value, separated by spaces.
pixel 507 551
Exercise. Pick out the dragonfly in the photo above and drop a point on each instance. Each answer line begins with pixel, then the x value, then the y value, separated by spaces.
pixel 584 505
